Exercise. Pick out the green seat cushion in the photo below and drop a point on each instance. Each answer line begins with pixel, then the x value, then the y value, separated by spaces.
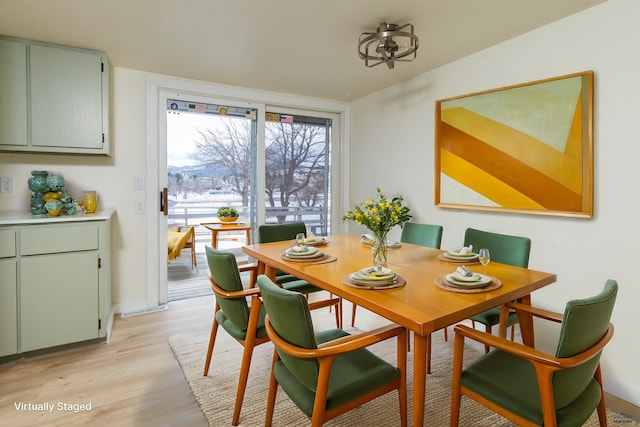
pixel 301 286
pixel 492 317
pixel 511 382
pixel 237 332
pixel 352 375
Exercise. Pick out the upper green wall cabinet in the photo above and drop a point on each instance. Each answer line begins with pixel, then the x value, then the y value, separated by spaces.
pixel 55 98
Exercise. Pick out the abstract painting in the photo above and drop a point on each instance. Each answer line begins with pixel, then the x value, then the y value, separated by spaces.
pixel 525 148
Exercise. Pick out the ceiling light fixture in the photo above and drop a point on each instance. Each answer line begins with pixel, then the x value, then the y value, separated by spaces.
pixel 389 44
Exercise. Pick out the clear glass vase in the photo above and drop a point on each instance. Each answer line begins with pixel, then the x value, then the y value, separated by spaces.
pixel 379 250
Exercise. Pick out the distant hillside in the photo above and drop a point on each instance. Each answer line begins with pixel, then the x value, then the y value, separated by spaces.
pixel 202 170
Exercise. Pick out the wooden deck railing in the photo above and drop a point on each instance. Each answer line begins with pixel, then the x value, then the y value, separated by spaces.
pixel 313 217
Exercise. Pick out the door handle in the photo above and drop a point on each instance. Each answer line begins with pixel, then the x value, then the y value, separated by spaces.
pixel 164 201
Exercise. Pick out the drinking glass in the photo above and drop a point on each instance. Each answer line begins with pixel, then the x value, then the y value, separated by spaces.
pixel 300 239
pixel 90 202
pixel 484 257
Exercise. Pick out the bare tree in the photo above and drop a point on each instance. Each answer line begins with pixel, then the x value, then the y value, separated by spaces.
pixel 295 156
pixel 229 148
pixel 296 152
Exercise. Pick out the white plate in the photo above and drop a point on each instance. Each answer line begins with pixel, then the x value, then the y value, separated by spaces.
pixel 357 278
pixel 318 242
pixel 483 281
pixel 469 257
pixel 383 271
pixel 311 253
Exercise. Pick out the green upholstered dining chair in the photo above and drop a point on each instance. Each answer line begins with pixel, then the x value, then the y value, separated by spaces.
pixel 331 372
pixel 243 322
pixel 278 232
pixel 505 249
pixel 530 387
pixel 428 235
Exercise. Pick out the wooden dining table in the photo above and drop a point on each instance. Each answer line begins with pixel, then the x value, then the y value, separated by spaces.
pixel 420 305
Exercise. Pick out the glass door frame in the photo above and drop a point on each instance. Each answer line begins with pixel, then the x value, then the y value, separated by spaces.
pixel 159 89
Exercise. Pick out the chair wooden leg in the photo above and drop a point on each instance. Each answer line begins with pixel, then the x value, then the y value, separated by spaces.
pixel 513 332
pixel 273 389
pixel 242 381
pixel 602 409
pixel 248 345
pixel 488 330
pixel 353 315
pixel 446 334
pixel 338 314
pixel 212 340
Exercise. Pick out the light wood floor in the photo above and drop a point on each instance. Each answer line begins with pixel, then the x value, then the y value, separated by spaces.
pixel 134 380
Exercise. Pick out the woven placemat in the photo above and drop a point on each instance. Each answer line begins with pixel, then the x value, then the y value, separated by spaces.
pixel 443 284
pixel 325 258
pixel 400 281
pixel 442 257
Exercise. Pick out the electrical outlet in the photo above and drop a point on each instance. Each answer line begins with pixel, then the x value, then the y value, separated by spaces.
pixel 6 185
pixel 139 209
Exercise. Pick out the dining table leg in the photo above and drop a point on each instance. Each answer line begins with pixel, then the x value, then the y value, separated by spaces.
pixel 419 377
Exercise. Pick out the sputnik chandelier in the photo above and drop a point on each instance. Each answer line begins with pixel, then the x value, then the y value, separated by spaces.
pixel 389 44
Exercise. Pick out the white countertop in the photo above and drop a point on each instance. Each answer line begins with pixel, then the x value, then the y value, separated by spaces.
pixel 19 217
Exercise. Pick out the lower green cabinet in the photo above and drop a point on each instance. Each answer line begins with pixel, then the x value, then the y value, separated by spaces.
pixel 8 307
pixel 55 285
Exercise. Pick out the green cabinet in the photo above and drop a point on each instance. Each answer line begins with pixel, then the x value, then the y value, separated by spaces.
pixel 60 276
pixel 13 87
pixel 57 98
pixel 8 294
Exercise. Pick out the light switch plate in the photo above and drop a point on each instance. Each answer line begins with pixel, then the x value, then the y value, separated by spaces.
pixel 138 183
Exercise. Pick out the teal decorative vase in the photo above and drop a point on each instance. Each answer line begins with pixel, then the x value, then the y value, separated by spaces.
pixel 38 186
pixel 55 182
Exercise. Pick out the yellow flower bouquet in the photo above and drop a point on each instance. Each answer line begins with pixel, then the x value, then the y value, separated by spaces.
pixel 380 217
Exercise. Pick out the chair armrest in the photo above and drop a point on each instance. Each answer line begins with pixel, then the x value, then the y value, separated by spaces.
pixel 338 346
pixel 324 303
pixel 248 267
pixel 235 294
pixel 531 354
pixel 534 311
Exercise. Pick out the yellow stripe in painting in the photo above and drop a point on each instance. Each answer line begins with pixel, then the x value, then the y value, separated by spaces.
pixel 573 148
pixel 538 155
pixel 483 183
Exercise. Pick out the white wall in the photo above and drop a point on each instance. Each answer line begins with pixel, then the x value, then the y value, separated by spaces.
pixel 393 136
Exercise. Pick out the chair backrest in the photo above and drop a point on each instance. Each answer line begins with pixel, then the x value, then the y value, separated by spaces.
pixel 278 232
pixel 505 249
pixel 428 235
pixel 223 269
pixel 584 322
pixel 290 318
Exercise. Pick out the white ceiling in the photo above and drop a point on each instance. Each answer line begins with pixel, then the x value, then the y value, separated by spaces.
pixel 301 47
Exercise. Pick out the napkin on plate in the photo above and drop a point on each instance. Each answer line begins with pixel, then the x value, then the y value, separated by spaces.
pixel 463 274
pixel 464 271
pixel 466 250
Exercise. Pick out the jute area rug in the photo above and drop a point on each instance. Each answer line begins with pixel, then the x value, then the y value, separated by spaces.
pixel 216 392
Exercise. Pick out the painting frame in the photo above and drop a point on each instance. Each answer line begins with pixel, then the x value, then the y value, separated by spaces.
pixel 525 148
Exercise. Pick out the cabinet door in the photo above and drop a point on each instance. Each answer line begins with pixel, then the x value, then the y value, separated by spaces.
pixel 13 87
pixel 66 98
pixel 8 307
pixel 58 299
